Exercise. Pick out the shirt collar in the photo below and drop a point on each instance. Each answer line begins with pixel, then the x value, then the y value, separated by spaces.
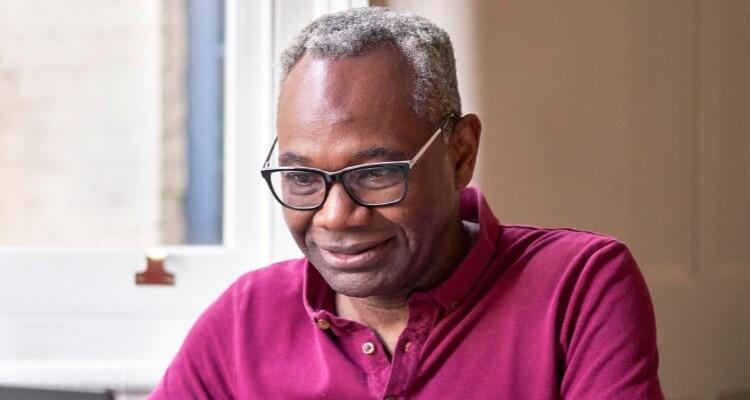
pixel 474 208
pixel 318 296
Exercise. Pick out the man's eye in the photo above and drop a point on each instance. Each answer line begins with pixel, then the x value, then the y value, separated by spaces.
pixel 300 178
pixel 378 177
pixel 380 173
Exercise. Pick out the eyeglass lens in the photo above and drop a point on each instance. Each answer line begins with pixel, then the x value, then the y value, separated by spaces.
pixel 370 186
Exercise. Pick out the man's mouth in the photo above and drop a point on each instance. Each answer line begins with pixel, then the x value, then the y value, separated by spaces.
pixel 353 256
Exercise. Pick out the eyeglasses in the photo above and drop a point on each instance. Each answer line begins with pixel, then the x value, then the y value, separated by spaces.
pixel 369 185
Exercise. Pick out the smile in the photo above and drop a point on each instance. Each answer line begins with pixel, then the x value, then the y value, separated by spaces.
pixel 355 256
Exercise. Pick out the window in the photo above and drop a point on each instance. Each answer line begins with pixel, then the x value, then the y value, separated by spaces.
pixel 111 117
pixel 104 151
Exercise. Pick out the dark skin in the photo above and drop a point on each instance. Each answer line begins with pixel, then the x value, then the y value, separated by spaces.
pixel 335 113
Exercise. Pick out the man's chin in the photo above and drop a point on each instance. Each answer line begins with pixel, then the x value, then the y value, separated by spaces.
pixel 358 284
pixel 359 277
pixel 354 293
pixel 349 283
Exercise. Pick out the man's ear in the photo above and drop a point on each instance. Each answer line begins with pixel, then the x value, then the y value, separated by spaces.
pixel 465 144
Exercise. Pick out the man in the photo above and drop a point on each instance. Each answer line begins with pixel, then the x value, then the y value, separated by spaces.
pixel 409 287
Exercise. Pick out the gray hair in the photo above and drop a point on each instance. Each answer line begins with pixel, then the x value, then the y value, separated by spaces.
pixel 425 46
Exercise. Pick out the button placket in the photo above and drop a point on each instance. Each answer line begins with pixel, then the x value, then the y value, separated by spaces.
pixel 405 362
pixel 372 358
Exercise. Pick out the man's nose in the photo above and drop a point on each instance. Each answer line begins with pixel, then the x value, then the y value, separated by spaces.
pixel 340 212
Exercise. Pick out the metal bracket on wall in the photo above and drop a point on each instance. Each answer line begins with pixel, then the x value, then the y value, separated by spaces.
pixel 155 274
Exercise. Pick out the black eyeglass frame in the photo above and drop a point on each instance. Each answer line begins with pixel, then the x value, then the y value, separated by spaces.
pixel 404 167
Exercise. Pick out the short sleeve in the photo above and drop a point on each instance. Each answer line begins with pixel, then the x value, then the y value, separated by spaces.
pixel 608 334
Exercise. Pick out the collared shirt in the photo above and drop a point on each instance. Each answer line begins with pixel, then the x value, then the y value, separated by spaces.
pixel 528 314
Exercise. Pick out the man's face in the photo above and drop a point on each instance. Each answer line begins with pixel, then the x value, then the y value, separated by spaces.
pixel 335 113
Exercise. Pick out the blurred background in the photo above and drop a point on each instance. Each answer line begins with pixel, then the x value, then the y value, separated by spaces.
pixel 131 124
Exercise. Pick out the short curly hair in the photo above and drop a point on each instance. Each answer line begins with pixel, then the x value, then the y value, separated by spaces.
pixel 425 46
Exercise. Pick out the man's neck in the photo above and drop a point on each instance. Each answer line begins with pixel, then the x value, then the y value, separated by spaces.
pixel 388 316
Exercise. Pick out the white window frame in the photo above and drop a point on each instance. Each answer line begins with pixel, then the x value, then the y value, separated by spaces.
pixel 73 317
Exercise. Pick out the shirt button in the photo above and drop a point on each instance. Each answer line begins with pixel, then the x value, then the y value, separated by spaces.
pixel 368 348
pixel 407 347
pixel 323 323
pixel 455 304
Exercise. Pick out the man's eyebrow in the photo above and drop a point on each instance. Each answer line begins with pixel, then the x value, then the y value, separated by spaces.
pixel 288 157
pixel 380 152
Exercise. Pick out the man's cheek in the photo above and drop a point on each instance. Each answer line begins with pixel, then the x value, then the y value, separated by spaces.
pixel 298 225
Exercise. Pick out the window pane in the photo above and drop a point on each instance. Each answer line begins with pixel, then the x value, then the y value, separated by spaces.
pixel 110 122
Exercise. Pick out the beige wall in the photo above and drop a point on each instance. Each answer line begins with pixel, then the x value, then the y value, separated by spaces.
pixel 630 118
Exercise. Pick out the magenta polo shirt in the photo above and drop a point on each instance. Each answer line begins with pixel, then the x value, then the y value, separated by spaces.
pixel 529 314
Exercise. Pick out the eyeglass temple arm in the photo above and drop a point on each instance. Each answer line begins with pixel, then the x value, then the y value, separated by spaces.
pixel 432 139
pixel 267 163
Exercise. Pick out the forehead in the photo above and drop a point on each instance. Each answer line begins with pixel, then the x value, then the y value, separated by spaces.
pixel 348 104
pixel 348 87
